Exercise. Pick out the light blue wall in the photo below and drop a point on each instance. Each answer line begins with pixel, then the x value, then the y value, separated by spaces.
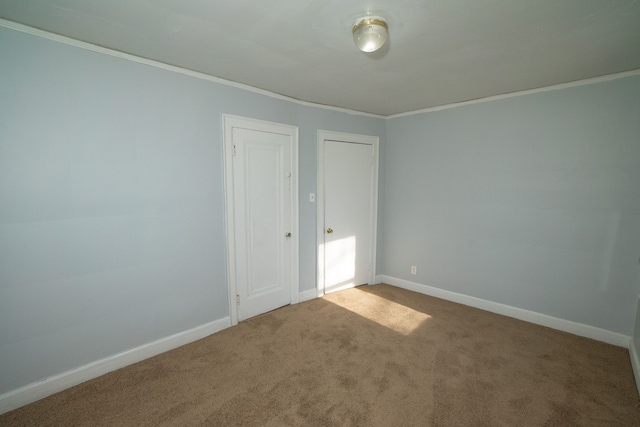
pixel 531 201
pixel 111 202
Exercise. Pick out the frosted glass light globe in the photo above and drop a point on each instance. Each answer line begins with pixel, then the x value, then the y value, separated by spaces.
pixel 370 33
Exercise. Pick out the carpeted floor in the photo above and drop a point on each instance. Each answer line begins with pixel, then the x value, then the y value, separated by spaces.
pixel 370 356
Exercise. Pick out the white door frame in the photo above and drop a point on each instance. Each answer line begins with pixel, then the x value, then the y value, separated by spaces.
pixel 228 123
pixel 374 141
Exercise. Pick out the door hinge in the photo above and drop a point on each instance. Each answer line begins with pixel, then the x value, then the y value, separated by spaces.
pixel 237 299
pixel 234 149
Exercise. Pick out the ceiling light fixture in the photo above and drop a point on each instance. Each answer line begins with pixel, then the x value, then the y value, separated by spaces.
pixel 370 33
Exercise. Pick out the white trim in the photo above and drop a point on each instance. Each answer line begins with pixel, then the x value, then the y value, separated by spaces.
pixel 307 295
pixel 575 328
pixel 374 141
pixel 173 68
pixel 295 220
pixel 319 215
pixel 593 80
pixel 229 220
pixel 633 351
pixel 41 389
pixel 635 363
pixel 228 123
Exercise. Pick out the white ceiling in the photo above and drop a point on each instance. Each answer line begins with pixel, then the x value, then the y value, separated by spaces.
pixel 440 51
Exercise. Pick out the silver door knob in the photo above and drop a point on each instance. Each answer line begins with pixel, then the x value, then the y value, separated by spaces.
pixel 287 235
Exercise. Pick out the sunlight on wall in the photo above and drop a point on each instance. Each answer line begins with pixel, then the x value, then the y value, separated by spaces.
pixel 340 263
pixel 387 313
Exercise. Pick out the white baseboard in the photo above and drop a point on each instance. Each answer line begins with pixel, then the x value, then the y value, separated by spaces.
pixel 379 279
pixel 308 295
pixel 38 390
pixel 575 328
pixel 635 363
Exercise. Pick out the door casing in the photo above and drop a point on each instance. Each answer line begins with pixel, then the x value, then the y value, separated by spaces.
pixel 374 141
pixel 229 122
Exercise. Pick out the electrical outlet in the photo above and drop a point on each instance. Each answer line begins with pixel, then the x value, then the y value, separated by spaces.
pixel 414 270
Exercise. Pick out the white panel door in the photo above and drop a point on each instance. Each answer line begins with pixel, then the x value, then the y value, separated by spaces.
pixel 262 164
pixel 348 191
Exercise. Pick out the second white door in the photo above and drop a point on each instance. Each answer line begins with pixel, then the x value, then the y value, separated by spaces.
pixel 348 202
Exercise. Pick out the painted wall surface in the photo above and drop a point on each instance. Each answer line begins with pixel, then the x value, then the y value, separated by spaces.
pixel 112 229
pixel 531 201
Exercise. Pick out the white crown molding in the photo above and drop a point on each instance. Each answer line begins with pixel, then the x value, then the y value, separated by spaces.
pixel 46 387
pixel 173 68
pixel 590 81
pixel 575 328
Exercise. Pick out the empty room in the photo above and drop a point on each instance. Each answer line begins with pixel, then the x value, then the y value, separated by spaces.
pixel 320 213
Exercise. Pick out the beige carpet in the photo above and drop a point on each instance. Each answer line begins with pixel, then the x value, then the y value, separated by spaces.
pixel 371 356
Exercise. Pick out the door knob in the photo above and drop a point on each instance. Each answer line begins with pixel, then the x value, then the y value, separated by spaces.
pixel 287 234
pixel 329 230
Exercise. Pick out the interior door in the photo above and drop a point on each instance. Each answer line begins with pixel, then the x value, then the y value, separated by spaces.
pixel 263 218
pixel 348 218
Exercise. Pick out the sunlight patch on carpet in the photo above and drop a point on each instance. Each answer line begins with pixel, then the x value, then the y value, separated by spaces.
pixel 384 312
